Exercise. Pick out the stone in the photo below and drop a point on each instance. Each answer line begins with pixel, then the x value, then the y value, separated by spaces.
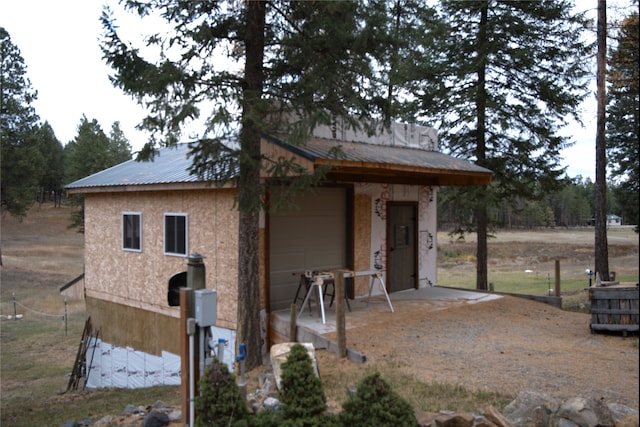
pixel 426 419
pixel 455 420
pixel 621 413
pixel 484 422
pixel 105 421
pixel 156 419
pixel 175 415
pixel 530 409
pixel 496 417
pixel 271 404
pixel 583 412
pixel 132 409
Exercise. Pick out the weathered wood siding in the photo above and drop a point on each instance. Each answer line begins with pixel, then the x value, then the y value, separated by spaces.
pixel 140 279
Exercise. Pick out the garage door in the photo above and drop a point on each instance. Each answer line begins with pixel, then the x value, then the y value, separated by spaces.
pixel 312 237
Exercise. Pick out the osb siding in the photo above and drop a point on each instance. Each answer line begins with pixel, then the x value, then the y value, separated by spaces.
pixel 273 151
pixel 362 241
pixel 140 279
pixel 142 330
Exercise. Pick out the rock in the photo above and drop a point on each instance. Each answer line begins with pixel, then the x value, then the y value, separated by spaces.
pixel 271 404
pixel 582 412
pixel 156 419
pixel 496 417
pixel 425 419
pixel 132 409
pixel 622 414
pixel 531 409
pixel 70 424
pixel 105 421
pixel 455 420
pixel 484 422
pixel 175 415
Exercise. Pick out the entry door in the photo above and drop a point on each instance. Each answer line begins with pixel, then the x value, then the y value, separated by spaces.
pixel 402 246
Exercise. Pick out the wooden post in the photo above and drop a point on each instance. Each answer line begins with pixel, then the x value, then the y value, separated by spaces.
pixel 186 295
pixel 293 323
pixel 338 280
pixel 557 277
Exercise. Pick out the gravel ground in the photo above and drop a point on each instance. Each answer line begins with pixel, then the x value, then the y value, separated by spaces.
pixel 505 345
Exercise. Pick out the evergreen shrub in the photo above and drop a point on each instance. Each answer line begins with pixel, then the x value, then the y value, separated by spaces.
pixel 221 402
pixel 375 404
pixel 301 391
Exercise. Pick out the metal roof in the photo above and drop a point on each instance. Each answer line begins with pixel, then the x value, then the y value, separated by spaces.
pixel 169 165
pixel 368 162
pixel 357 161
pixel 361 152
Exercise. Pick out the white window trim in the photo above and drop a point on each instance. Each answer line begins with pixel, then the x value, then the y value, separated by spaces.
pixel 139 214
pixel 186 234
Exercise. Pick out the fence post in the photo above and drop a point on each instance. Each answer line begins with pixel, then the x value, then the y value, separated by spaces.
pixel 557 277
pixel 339 295
pixel 15 312
pixel 66 318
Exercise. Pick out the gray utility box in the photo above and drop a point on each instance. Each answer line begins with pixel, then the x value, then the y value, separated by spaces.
pixel 206 301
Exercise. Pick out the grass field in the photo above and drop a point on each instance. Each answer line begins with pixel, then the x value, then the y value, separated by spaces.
pixel 37 352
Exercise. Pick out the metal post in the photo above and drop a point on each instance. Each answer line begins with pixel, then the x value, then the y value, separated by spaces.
pixel 66 319
pixel 15 312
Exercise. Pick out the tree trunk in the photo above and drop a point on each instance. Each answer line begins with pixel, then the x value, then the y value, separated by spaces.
pixel 248 327
pixel 481 155
pixel 601 248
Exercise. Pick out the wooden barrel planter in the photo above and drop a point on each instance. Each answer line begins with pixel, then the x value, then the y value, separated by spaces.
pixel 614 308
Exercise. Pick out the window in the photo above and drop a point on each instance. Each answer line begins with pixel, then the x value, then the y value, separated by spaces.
pixel 132 231
pixel 175 234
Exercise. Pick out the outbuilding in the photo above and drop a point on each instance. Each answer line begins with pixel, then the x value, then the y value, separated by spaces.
pixel 375 211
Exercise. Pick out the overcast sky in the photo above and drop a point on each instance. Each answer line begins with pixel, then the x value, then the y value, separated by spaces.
pixel 58 40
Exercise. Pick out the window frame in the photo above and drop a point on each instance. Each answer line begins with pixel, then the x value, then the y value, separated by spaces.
pixel 125 228
pixel 165 242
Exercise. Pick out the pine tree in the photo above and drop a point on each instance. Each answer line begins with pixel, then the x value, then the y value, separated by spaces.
pixel 507 77
pixel 623 125
pixel 243 69
pixel 22 162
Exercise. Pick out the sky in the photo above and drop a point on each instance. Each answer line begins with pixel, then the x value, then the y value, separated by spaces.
pixel 58 41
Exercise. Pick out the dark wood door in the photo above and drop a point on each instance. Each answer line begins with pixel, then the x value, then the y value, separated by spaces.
pixel 401 246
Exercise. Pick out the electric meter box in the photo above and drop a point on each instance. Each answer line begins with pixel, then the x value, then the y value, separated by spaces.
pixel 206 302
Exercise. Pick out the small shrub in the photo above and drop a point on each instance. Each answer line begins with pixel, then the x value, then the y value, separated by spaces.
pixel 375 404
pixel 302 396
pixel 220 402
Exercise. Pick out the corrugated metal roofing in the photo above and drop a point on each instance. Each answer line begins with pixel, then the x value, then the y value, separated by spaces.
pixel 170 165
pixel 361 152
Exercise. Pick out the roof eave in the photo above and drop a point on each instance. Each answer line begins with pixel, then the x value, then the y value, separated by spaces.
pixel 396 174
pixel 126 188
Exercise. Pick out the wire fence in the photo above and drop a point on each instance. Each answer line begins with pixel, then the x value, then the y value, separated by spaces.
pixel 17 316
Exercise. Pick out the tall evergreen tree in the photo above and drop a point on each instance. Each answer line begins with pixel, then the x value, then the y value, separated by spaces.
pixel 246 68
pixel 623 124
pixel 89 152
pixel 52 179
pixel 508 76
pixel 21 160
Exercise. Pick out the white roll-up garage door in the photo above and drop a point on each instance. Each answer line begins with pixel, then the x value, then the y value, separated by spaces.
pixel 312 237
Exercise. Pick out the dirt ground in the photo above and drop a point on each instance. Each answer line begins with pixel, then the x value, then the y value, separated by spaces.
pixel 505 345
